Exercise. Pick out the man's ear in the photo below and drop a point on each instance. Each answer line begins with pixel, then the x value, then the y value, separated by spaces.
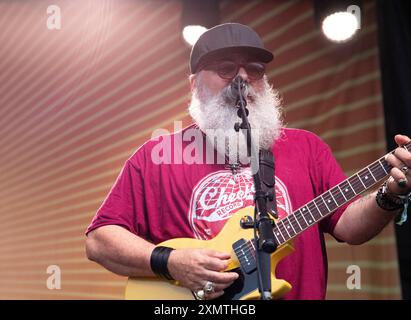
pixel 192 79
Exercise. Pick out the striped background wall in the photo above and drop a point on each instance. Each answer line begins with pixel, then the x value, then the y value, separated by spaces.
pixel 76 102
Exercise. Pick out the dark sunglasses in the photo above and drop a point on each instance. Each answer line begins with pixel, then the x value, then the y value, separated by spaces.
pixel 229 69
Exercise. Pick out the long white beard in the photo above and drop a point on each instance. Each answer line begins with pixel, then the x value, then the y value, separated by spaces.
pixel 214 114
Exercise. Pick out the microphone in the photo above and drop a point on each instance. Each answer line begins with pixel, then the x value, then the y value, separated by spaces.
pixel 237 87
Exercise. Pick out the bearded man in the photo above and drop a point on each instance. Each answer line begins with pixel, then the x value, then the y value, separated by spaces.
pixel 152 202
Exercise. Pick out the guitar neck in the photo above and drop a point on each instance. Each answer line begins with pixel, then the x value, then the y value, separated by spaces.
pixel 325 204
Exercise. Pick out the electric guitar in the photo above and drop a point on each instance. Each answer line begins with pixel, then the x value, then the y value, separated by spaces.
pixel 240 242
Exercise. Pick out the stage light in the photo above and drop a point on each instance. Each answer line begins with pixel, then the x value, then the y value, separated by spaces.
pixel 339 19
pixel 192 33
pixel 340 26
pixel 197 16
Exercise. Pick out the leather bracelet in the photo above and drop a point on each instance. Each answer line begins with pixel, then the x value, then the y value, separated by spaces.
pixel 158 261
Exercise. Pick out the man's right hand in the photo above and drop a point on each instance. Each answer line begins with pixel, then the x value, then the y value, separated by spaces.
pixel 193 268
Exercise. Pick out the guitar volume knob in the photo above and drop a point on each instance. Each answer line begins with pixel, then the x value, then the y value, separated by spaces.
pixel 246 222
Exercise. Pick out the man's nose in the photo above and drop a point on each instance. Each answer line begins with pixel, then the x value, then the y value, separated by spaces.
pixel 243 73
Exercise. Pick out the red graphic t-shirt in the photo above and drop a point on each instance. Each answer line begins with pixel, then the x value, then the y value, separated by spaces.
pixel 220 194
pixel 175 199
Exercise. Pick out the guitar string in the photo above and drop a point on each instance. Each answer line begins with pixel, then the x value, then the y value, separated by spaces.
pixel 315 208
pixel 353 183
pixel 358 182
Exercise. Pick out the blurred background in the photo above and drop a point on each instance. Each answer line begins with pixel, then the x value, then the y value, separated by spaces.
pixel 84 83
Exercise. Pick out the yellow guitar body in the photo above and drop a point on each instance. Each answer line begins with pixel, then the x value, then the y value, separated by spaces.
pixel 157 289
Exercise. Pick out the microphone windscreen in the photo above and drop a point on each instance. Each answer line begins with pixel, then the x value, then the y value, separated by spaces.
pixel 237 87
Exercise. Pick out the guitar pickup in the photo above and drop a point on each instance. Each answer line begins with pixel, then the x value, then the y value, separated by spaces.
pixel 245 253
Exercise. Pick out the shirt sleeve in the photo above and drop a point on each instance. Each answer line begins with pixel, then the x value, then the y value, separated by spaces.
pixel 330 174
pixel 123 203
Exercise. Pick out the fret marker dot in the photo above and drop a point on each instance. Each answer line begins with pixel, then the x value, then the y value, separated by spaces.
pixel 278 233
pixel 303 209
pixel 366 177
pixel 329 201
pixel 346 190
pixel 288 227
pixel 309 221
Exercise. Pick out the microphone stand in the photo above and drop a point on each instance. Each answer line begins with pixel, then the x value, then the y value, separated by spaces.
pixel 263 224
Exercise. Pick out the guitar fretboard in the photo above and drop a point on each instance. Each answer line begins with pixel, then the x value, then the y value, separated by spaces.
pixel 325 204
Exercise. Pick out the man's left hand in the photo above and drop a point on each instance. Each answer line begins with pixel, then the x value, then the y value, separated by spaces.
pixel 400 180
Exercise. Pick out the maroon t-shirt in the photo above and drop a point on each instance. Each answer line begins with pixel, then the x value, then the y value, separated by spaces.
pixel 163 201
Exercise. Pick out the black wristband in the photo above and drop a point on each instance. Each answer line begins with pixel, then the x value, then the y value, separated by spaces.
pixel 387 201
pixel 158 261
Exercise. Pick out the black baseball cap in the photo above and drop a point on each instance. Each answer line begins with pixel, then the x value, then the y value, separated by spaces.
pixel 228 37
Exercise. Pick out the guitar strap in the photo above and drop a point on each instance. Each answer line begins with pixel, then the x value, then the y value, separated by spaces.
pixel 267 178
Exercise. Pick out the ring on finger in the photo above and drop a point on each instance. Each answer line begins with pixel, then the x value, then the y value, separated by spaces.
pixel 402 183
pixel 208 287
pixel 199 294
pixel 405 169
